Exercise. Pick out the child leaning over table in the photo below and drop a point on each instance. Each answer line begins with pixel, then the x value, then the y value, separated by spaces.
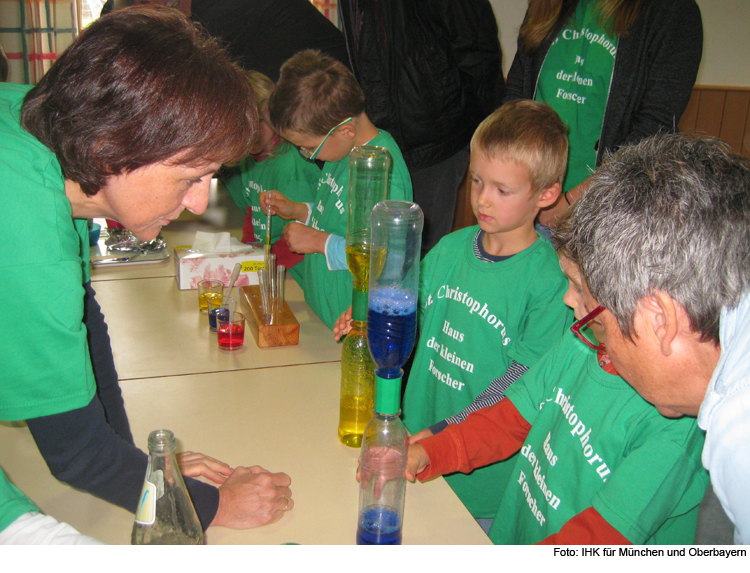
pixel 597 463
pixel 490 299
pixel 319 107
pixel 273 164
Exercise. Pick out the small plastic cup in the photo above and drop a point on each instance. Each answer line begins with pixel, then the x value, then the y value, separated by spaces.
pixel 207 289
pixel 219 307
pixel 231 333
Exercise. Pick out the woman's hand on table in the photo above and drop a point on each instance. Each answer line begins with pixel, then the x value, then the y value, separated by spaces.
pixel 343 324
pixel 251 497
pixel 305 240
pixel 194 464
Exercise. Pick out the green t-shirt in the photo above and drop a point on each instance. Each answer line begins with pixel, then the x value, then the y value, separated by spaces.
pixel 13 503
pixel 596 443
pixel 575 80
pixel 44 353
pixel 288 173
pixel 329 293
pixel 474 318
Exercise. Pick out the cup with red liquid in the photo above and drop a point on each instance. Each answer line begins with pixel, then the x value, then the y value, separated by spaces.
pixel 230 330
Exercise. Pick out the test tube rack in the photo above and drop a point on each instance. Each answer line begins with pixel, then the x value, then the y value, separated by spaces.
pixel 284 331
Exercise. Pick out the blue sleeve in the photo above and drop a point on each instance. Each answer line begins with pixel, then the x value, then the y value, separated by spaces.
pixel 82 450
pixel 103 364
pixel 336 253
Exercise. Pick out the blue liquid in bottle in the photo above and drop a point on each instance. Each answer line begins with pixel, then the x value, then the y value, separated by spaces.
pixel 391 328
pixel 378 526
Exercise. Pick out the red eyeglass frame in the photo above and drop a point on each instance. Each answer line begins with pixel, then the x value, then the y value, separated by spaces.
pixel 576 328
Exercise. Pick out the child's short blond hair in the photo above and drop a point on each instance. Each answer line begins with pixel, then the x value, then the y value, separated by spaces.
pixel 529 133
pixel 262 88
pixel 314 94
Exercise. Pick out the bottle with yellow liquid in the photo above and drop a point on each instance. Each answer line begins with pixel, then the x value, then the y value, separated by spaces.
pixel 369 169
pixel 357 378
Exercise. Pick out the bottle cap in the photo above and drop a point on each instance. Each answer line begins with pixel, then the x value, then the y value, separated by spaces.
pixel 387 395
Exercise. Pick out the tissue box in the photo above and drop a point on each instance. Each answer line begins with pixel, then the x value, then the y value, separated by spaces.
pixel 194 266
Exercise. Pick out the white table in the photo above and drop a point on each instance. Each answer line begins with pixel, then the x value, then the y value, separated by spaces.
pixel 275 407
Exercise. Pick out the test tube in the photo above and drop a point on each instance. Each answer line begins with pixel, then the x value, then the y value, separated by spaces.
pixel 263 287
pixel 271 278
pixel 280 274
pixel 268 232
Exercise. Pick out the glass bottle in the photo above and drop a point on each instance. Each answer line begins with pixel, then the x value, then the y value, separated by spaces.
pixel 165 514
pixel 357 378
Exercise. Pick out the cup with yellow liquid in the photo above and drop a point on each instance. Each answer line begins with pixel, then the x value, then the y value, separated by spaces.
pixel 208 289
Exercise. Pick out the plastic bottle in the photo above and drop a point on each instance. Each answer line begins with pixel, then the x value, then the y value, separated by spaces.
pixel 369 168
pixel 391 328
pixel 381 470
pixel 165 514
pixel 357 378
pixel 396 234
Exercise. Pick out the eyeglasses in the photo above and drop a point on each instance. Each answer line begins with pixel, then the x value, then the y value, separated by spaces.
pixel 576 328
pixel 314 154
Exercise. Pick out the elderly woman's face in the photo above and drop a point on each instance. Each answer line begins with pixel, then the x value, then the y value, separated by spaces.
pixel 146 199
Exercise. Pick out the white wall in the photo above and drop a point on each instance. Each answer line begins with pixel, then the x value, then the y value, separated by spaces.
pixel 726 39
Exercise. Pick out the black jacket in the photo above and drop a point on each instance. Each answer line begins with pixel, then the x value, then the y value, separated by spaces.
pixel 431 71
pixel 655 70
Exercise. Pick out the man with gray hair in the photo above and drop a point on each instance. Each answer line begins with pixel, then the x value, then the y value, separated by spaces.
pixel 662 237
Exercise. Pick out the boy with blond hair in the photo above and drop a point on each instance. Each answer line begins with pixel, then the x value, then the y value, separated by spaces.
pixel 319 107
pixel 490 297
pixel 273 164
pixel 594 463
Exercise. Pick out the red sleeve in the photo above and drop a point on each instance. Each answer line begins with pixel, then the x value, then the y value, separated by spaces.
pixel 586 528
pixel 248 230
pixel 488 435
pixel 284 256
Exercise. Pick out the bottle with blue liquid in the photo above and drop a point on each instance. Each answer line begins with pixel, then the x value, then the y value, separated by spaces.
pixel 391 329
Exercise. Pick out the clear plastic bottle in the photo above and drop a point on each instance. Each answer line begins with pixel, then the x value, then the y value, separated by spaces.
pixel 394 284
pixel 396 235
pixel 381 470
pixel 369 168
pixel 165 514
pixel 357 378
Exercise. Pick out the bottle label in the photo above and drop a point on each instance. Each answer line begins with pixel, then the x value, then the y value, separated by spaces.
pixel 146 513
pixel 152 491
